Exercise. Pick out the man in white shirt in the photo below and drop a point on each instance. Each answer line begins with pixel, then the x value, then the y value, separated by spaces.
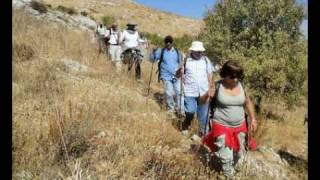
pixel 114 47
pixel 100 34
pixel 197 83
pixel 130 40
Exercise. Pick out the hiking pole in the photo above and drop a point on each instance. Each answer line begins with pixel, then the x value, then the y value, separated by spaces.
pixel 181 86
pixel 149 82
pixel 208 112
pixel 244 168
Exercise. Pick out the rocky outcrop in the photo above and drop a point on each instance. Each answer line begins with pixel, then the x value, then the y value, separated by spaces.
pixel 17 4
pixel 74 66
pixel 71 21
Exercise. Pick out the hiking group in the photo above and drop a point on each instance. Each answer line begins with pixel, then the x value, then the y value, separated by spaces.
pixel 122 47
pixel 223 108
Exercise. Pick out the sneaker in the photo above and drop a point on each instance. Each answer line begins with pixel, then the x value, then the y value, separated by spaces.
pixel 195 138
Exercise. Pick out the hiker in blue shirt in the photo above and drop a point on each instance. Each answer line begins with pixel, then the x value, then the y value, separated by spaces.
pixel 170 60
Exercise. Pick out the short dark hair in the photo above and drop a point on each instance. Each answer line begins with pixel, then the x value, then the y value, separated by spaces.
pixel 168 39
pixel 232 68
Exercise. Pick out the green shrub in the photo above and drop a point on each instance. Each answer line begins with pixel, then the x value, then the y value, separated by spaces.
pixel 91 17
pixel 108 20
pixel 22 52
pixel 83 13
pixel 68 10
pixel 264 37
pixel 155 39
pixel 38 6
pixel 49 6
pixel 182 43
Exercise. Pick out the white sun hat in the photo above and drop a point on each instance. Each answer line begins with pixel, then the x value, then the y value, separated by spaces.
pixel 197 46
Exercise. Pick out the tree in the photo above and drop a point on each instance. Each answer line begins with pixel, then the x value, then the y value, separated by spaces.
pixel 264 37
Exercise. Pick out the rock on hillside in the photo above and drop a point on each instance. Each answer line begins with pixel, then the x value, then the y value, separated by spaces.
pixel 148 19
pixel 74 21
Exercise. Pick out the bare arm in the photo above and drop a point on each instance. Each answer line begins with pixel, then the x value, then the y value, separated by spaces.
pixel 250 108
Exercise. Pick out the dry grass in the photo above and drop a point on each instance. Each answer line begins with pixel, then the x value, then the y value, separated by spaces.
pixel 58 114
pixel 125 11
pixel 94 124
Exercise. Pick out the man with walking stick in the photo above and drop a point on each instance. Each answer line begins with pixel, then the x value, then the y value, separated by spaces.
pixel 169 61
pixel 197 72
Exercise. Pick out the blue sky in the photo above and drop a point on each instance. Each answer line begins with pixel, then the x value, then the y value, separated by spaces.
pixel 190 8
pixel 195 8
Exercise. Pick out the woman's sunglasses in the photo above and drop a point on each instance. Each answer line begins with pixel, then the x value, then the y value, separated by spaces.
pixel 233 76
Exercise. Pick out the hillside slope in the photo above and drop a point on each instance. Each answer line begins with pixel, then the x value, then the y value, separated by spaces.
pixel 74 116
pixel 148 19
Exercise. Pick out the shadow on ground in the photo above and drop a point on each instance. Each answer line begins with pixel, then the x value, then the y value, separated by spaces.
pixel 211 165
pixel 295 162
pixel 159 97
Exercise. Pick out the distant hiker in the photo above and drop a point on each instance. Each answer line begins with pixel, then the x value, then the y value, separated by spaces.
pixel 197 86
pixel 169 62
pixel 130 42
pixel 113 34
pixel 100 34
pixel 229 125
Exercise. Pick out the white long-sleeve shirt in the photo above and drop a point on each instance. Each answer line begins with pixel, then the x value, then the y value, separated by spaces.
pixel 130 40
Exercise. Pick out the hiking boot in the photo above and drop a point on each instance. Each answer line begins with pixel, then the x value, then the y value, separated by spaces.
pixel 181 114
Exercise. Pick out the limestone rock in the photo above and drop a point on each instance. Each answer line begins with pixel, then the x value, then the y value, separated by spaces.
pixel 74 66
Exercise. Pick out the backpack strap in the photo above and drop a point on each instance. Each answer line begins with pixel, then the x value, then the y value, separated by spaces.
pixel 213 102
pixel 178 55
pixel 245 95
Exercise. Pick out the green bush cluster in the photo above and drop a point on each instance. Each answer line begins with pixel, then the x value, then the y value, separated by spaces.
pixel 183 42
pixel 108 20
pixel 84 13
pixel 38 6
pixel 264 37
pixel 68 10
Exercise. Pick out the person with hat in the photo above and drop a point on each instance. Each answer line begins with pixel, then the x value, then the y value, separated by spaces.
pixel 100 34
pixel 198 87
pixel 130 40
pixel 114 47
pixel 169 62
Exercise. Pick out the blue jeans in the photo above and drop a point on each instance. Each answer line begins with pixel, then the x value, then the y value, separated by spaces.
pixel 192 105
pixel 172 90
